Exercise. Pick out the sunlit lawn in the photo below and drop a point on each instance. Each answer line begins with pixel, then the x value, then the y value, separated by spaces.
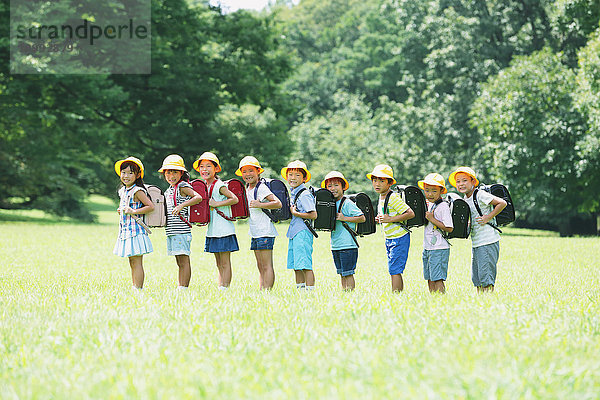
pixel 70 327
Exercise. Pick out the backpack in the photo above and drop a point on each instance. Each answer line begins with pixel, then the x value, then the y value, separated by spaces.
pixel 363 202
pixel 415 199
pixel 239 210
pixel 326 211
pixel 307 222
pixel 461 217
pixel 280 191
pixel 507 215
pixel 158 217
pixel 200 213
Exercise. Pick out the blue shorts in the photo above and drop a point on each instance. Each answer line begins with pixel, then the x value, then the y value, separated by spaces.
pixel 262 243
pixel 178 245
pixel 483 264
pixel 221 244
pixel 397 253
pixel 300 249
pixel 345 261
pixel 435 264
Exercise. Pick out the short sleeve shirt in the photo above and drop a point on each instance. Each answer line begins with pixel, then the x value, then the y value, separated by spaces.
pixel 433 239
pixel 219 226
pixel 482 234
pixel 259 223
pixel 341 239
pixel 396 206
pixel 305 203
pixel 175 226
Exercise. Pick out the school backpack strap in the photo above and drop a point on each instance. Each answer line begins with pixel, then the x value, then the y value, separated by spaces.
pixel 175 205
pixel 221 213
pixel 353 234
pixel 385 210
pixel 306 222
pixel 271 217
pixel 476 202
pixel 135 217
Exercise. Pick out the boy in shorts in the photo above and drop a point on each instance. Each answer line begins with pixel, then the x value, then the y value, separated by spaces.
pixel 391 211
pixel 436 249
pixel 485 239
pixel 343 245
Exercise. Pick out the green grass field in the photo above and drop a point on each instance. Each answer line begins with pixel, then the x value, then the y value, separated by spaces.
pixel 70 327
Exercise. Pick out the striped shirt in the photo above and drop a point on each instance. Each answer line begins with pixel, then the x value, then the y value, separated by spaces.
pixel 175 226
pixel 482 234
pixel 128 227
pixel 396 206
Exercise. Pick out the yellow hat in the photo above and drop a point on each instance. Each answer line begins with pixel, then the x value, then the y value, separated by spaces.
pixel 297 164
pixel 133 160
pixel 207 155
pixel 173 162
pixel 249 161
pixel 332 175
pixel 465 170
pixel 434 180
pixel 382 171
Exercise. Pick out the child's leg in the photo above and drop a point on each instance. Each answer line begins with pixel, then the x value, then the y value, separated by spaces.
pixel 185 269
pixel 349 282
pixel 264 261
pixel 438 286
pixel 431 285
pixel 224 266
pixel 137 271
pixel 397 283
pixel 310 277
pixel 300 276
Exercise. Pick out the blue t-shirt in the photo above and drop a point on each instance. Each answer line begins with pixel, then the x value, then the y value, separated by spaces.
pixel 340 237
pixel 305 203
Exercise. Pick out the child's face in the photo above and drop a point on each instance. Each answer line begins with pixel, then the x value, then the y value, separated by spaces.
pixel 381 185
pixel 295 177
pixel 464 183
pixel 250 174
pixel 336 187
pixel 128 177
pixel 173 176
pixel 207 169
pixel 432 193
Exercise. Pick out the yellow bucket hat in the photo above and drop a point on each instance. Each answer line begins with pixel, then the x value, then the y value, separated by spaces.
pixel 382 171
pixel 133 160
pixel 297 164
pixel 465 170
pixel 249 161
pixel 207 155
pixel 332 175
pixel 173 161
pixel 434 180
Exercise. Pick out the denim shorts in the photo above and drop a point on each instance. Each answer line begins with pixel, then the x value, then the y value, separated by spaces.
pixel 435 264
pixel 397 253
pixel 221 244
pixel 300 249
pixel 345 261
pixel 262 243
pixel 483 264
pixel 178 245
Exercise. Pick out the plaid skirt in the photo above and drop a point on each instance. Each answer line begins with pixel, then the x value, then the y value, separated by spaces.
pixel 133 246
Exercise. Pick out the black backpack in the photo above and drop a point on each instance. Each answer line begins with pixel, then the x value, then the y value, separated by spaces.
pixel 507 215
pixel 363 202
pixel 326 211
pixel 461 217
pixel 415 199
pixel 281 192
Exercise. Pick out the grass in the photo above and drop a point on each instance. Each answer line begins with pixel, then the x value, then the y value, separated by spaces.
pixel 70 326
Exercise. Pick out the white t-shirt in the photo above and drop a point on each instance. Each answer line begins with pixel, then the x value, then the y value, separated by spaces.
pixel 259 223
pixel 482 234
pixel 219 226
pixel 433 236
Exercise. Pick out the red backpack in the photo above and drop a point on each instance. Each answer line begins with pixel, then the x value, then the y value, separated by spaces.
pixel 200 213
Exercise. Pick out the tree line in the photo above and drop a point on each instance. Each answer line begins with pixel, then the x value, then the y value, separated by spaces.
pixel 508 87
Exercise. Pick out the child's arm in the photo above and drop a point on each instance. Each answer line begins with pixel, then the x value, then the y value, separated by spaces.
pixel 498 204
pixel 272 204
pixel 386 218
pixel 189 192
pixel 439 224
pixel 357 220
pixel 306 215
pixel 142 197
pixel 231 198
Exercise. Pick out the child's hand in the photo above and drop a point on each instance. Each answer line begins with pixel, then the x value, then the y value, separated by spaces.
pixel 293 210
pixel 212 203
pixel 129 211
pixel 177 210
pixel 383 218
pixel 483 219
pixel 254 204
pixel 341 217
pixel 429 216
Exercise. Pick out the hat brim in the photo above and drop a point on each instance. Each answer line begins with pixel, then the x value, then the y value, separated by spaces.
pixel 175 167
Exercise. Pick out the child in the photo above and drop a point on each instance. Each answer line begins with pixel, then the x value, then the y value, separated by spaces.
pixel 179 196
pixel 436 249
pixel 300 243
pixel 133 240
pixel 397 238
pixel 343 246
pixel 220 236
pixel 485 239
pixel 262 230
